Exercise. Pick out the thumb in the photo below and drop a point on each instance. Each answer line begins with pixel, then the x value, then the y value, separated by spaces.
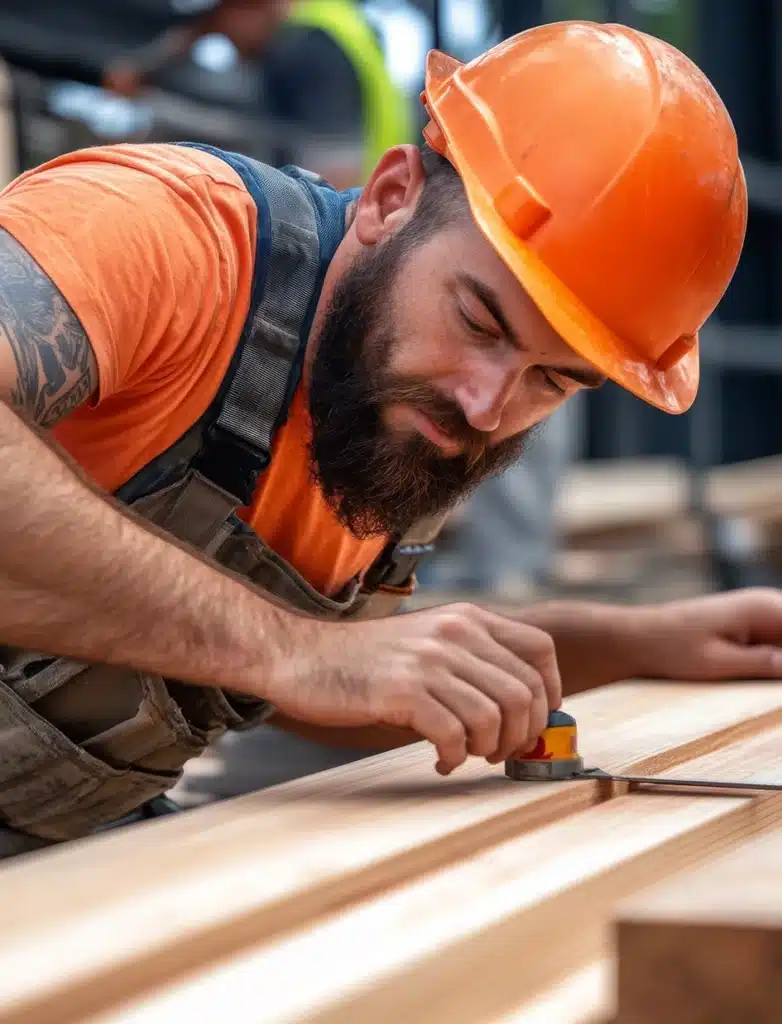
pixel 726 659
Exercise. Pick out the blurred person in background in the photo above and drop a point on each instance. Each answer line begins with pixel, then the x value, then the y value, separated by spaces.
pixel 326 83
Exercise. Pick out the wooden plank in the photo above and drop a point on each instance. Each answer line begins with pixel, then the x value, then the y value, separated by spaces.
pixel 582 997
pixel 602 495
pixel 751 489
pixel 145 905
pixel 742 888
pixel 708 945
pixel 479 936
pixel 470 941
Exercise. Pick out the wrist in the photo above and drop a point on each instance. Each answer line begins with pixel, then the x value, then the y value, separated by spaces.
pixel 629 628
pixel 646 629
pixel 263 642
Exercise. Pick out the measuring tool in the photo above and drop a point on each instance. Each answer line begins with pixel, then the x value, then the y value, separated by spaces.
pixel 555 757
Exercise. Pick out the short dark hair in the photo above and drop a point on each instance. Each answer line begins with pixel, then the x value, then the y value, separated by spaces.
pixel 443 199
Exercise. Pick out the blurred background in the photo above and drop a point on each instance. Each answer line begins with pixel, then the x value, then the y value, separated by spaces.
pixel 614 500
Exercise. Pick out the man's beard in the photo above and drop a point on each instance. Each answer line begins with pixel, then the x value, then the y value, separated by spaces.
pixel 377 483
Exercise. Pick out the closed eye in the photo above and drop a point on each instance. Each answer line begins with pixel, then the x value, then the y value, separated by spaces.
pixel 476 328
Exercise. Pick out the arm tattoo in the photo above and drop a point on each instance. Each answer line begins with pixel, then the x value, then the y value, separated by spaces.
pixel 55 365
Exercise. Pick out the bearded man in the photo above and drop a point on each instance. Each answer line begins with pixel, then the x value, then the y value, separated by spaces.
pixel 238 404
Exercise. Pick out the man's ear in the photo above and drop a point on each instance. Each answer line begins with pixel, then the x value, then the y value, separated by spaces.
pixel 390 196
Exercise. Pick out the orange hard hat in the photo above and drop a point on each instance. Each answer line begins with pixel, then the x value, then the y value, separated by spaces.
pixel 603 167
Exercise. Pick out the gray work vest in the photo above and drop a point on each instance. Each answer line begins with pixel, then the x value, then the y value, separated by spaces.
pixel 83 746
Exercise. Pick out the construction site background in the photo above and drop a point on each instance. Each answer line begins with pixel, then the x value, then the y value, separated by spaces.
pixel 614 500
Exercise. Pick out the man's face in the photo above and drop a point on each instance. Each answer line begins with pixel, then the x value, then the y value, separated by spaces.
pixel 432 367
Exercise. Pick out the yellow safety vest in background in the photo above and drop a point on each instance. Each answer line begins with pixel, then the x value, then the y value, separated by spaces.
pixel 387 114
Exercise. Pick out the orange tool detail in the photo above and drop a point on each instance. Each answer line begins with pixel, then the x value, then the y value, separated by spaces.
pixel 554 757
pixel 603 167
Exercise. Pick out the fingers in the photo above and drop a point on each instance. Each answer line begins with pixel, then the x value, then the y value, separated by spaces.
pixel 536 720
pixel 443 729
pixel 467 680
pixel 461 718
pixel 506 710
pixel 516 642
pixel 512 675
pixel 481 716
pixel 532 646
pixel 758 612
pixel 727 660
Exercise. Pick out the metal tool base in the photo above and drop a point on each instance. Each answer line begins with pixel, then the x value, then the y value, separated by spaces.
pixel 544 771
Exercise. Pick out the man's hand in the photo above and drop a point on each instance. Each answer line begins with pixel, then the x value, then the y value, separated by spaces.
pixel 466 679
pixel 735 635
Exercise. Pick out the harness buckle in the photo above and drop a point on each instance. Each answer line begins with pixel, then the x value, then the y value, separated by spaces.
pixel 231 464
pixel 396 564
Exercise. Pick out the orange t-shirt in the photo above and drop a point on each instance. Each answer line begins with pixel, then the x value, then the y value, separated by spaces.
pixel 153 248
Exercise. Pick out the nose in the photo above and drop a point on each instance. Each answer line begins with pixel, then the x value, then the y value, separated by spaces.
pixel 485 393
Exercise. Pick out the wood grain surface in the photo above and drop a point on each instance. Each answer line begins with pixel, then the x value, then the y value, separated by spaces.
pixel 104 921
pixel 707 946
pixel 451 946
pixel 584 996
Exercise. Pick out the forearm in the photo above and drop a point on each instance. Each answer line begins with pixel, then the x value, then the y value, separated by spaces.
pixel 81 576
pixel 595 643
pixel 370 738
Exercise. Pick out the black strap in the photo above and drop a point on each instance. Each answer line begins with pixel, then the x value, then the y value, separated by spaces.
pixel 396 564
pixel 259 387
pixel 401 556
pixel 237 448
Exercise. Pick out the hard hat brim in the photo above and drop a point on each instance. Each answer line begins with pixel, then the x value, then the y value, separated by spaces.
pixel 673 390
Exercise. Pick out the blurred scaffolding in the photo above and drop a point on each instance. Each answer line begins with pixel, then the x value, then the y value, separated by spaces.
pixel 620 500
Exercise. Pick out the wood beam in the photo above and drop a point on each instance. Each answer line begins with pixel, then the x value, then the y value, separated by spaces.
pixel 706 946
pixel 585 996
pixel 105 919
pixel 481 935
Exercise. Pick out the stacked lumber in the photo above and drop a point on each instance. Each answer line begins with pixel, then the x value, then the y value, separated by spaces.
pixel 601 497
pixel 379 892
pixel 627 528
pixel 751 489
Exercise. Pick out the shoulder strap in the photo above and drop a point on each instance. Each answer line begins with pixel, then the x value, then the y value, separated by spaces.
pixel 258 391
pixel 237 448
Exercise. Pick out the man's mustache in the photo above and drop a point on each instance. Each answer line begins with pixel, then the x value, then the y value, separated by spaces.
pixel 443 411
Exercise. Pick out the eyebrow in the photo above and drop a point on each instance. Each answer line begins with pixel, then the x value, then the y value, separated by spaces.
pixel 588 378
pixel 486 295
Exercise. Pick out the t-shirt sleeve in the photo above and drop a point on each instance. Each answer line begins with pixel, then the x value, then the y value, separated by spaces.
pixel 152 253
